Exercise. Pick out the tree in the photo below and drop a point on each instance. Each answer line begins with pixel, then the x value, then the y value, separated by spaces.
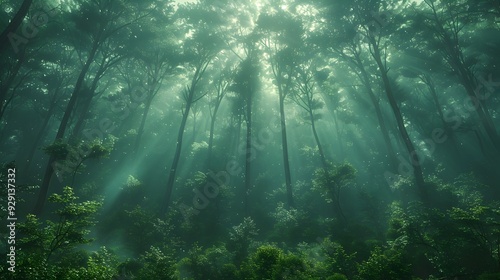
pixel 305 98
pixel 98 24
pixel 157 64
pixel 57 238
pixel 245 84
pixel 443 24
pixel 200 50
pixel 281 38
pixel 221 85
pixel 338 38
pixel 14 24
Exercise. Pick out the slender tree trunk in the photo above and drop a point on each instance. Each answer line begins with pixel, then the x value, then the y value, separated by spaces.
pixel 339 136
pixel 193 138
pixel 378 111
pixel 479 107
pixel 4 90
pixel 318 143
pixel 49 170
pixel 14 24
pixel 235 139
pixel 248 153
pixel 84 112
pixel 284 145
pixel 432 89
pixel 143 123
pixel 86 101
pixel 455 58
pixel 211 137
pixel 189 102
pixel 41 131
pixel 178 147
pixel 417 169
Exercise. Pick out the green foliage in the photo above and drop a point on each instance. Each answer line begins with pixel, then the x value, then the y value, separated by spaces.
pixel 457 238
pixel 212 263
pixel 97 150
pixel 330 181
pixel 59 150
pixel 287 221
pixel 70 230
pixel 241 238
pixel 384 265
pixel 132 182
pixel 46 244
pixel 489 276
pixel 270 262
pixel 337 276
pixel 101 265
pixel 155 265
pixel 336 259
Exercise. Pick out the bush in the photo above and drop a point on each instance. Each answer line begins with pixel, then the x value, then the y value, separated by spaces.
pixel 384 265
pixel 270 262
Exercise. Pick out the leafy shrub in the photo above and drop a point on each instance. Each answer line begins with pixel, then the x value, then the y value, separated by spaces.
pixel 270 262
pixel 44 247
pixel 101 265
pixel 241 238
pixel 212 263
pixel 384 265
pixel 337 260
pixel 155 265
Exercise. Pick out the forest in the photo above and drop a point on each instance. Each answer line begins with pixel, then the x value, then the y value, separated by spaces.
pixel 250 140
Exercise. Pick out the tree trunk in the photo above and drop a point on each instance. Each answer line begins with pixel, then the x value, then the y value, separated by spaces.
pixel 339 136
pixel 211 137
pixel 87 100
pixel 49 170
pixel 284 145
pixel 417 169
pixel 318 143
pixel 14 24
pixel 7 84
pixel 178 147
pixel 41 131
pixel 479 107
pixel 449 132
pixel 189 102
pixel 248 153
pixel 193 138
pixel 143 122
pixel 383 128
pixel 455 59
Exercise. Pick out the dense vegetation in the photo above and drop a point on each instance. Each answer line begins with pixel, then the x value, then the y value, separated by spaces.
pixel 261 139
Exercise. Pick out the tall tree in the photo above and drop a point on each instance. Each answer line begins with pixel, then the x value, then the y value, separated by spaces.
pixel 281 39
pixel 338 39
pixel 221 85
pixel 376 34
pixel 367 22
pixel 306 98
pixel 442 25
pixel 200 50
pixel 245 84
pixel 5 36
pixel 97 23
